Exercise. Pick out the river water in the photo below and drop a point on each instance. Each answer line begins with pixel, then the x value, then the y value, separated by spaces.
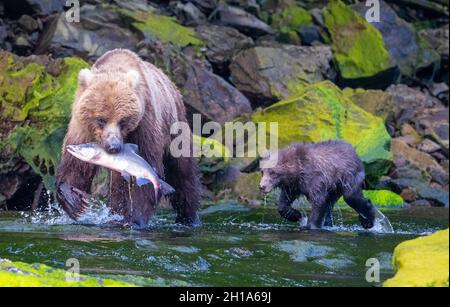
pixel 236 246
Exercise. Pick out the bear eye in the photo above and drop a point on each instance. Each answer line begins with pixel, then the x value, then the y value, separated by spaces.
pixel 123 124
pixel 101 122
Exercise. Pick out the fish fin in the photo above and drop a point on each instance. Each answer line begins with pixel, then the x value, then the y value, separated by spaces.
pixel 126 176
pixel 133 147
pixel 166 189
pixel 142 181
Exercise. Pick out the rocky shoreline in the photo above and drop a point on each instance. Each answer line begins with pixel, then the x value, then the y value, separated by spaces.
pixel 317 67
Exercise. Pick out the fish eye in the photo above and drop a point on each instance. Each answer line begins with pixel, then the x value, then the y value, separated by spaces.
pixel 101 122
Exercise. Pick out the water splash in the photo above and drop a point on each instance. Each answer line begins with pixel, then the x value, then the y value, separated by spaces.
pixel 382 223
pixel 98 213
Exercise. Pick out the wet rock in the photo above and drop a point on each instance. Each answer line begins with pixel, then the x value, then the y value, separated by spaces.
pixel 188 14
pixel 241 20
pixel 440 91
pixel 36 109
pixel 100 30
pixel 422 262
pixel 358 47
pixel 409 195
pixel 420 203
pixel 40 7
pixel 267 74
pixel 428 146
pixel 132 4
pixel 28 23
pixel 219 50
pixel 210 95
pixel 406 48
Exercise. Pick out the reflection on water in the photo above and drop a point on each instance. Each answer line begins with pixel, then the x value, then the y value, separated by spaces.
pixel 237 245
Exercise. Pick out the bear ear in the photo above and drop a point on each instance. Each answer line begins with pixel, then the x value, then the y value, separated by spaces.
pixel 84 77
pixel 133 78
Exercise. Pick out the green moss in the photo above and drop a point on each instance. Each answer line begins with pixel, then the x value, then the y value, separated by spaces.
pixel 163 28
pixel 422 262
pixel 38 104
pixel 288 21
pixel 381 199
pixel 358 47
pixel 211 147
pixel 19 274
pixel 322 112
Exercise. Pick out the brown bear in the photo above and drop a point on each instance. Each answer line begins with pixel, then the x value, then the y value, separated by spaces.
pixel 124 99
pixel 323 172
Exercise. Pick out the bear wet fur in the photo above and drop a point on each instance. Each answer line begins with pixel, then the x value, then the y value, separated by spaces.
pixel 323 172
pixel 123 99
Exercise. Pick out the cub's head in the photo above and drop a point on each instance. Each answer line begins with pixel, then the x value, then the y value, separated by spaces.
pixel 108 106
pixel 271 172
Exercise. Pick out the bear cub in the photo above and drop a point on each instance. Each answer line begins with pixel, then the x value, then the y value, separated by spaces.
pixel 322 172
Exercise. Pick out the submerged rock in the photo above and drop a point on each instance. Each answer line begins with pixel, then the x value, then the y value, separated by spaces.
pixel 422 262
pixel 323 112
pixel 359 50
pixel 267 74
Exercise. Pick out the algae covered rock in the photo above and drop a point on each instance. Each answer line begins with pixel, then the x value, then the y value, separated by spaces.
pixel 19 274
pixel 359 49
pixel 323 112
pixel 422 262
pixel 288 21
pixel 36 94
pixel 382 199
pixel 266 74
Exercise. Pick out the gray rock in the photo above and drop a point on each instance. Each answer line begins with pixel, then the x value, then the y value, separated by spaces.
pixel 28 23
pixel 133 4
pixel 241 20
pixel 267 74
pixel 209 94
pixel 100 30
pixel 206 6
pixel 404 45
pixel 219 50
pixel 188 14
pixel 309 35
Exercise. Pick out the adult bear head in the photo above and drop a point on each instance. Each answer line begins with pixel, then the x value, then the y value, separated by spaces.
pixel 109 106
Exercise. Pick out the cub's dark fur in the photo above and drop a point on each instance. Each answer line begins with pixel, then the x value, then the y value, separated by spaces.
pixel 323 172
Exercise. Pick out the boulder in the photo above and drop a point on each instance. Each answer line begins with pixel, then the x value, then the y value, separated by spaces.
pixel 266 74
pixel 377 102
pixel 409 51
pixel 36 95
pixel 19 274
pixel 241 20
pixel 188 14
pixel 219 50
pixel 208 94
pixel 100 30
pixel 422 262
pixel 321 112
pixel 288 21
pixel 359 50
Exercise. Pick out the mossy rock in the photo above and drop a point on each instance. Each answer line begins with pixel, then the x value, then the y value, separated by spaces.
pixel 246 187
pixel 36 109
pixel 288 21
pixel 19 274
pixel 322 112
pixel 377 102
pixel 381 199
pixel 359 49
pixel 163 28
pixel 422 262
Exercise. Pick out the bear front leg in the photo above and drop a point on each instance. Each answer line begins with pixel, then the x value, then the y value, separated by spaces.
pixel 182 175
pixel 285 209
pixel 73 183
pixel 365 209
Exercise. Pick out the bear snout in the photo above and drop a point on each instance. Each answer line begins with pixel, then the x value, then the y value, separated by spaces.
pixel 112 145
pixel 265 188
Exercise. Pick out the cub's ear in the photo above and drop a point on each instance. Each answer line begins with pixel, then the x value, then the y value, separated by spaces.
pixel 133 78
pixel 84 78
